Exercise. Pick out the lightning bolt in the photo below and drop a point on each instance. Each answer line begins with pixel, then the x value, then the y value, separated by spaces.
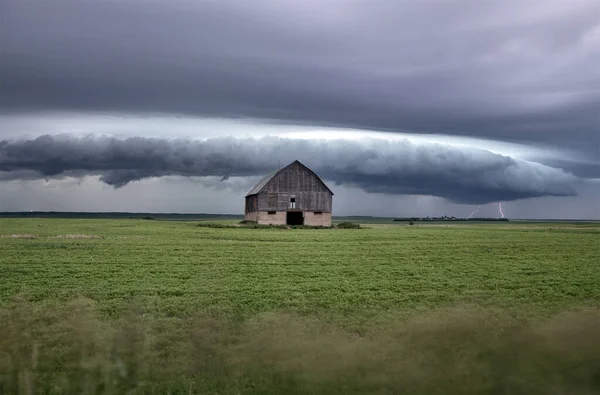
pixel 475 212
pixel 500 207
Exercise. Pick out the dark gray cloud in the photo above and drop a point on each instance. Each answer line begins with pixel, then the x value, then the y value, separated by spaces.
pixel 507 70
pixel 463 175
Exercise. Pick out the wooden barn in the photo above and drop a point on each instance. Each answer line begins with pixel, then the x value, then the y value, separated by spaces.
pixel 293 195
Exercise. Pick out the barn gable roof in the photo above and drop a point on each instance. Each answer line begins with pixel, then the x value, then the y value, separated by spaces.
pixel 263 182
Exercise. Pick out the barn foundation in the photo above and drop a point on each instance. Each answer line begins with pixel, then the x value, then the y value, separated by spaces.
pixel 271 218
pixel 312 218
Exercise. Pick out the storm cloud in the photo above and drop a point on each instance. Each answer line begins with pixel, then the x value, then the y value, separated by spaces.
pixel 509 89
pixel 463 175
pixel 504 70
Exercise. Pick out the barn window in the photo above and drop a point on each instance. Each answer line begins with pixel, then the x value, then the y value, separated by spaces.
pixel 318 212
pixel 271 212
pixel 293 203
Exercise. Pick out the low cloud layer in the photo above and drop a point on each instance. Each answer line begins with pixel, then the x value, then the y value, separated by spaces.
pixel 461 175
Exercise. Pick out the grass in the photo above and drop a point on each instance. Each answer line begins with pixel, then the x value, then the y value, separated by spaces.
pixel 254 225
pixel 115 306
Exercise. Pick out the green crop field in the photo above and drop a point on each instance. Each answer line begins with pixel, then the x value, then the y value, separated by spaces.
pixel 140 306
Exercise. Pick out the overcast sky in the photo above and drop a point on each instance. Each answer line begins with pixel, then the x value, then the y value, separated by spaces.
pixel 403 107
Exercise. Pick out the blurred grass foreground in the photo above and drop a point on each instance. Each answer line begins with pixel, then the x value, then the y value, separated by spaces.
pixel 461 350
pixel 120 306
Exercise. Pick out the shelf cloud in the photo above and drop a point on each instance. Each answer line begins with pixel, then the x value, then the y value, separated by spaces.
pixel 463 175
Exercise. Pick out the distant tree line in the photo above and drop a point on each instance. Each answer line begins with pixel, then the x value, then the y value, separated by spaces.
pixel 119 215
pixel 445 218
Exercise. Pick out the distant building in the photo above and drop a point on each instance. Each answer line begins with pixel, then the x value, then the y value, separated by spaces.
pixel 293 195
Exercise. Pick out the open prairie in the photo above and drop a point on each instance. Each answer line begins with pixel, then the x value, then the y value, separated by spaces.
pixel 140 306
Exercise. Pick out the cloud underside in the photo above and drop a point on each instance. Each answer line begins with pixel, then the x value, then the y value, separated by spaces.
pixel 462 175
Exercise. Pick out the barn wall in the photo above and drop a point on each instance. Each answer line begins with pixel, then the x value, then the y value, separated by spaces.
pixel 252 216
pixel 279 218
pixel 251 204
pixel 297 182
pixel 313 219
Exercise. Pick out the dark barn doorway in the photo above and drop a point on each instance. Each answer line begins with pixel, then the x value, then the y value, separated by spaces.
pixel 294 218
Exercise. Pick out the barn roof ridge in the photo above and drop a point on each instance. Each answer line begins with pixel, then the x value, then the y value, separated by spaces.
pixel 265 180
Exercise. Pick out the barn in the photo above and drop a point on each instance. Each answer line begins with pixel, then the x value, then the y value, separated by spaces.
pixel 293 195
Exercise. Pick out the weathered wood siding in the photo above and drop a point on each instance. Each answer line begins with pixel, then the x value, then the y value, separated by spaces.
pixel 251 204
pixel 295 181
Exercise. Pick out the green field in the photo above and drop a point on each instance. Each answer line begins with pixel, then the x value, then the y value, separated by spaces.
pixel 138 306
